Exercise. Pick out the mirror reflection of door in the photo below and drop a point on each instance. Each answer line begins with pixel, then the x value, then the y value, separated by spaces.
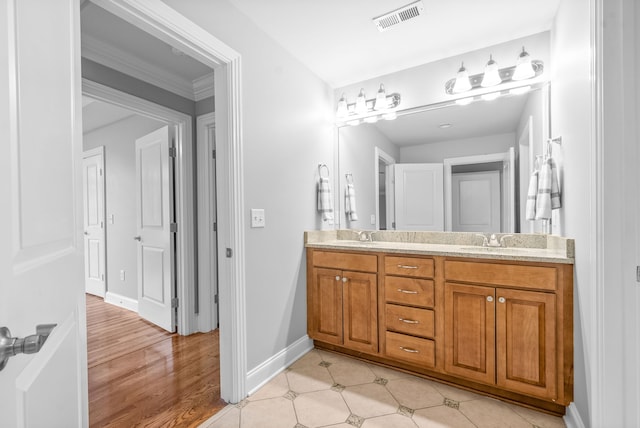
pixel 384 204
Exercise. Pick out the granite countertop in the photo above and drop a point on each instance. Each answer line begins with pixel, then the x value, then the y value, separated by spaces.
pixel 518 247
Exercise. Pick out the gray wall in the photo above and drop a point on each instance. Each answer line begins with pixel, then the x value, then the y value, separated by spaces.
pixel 437 152
pixel 287 115
pixel 118 140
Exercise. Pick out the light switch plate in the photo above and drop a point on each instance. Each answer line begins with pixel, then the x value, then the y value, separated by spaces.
pixel 257 217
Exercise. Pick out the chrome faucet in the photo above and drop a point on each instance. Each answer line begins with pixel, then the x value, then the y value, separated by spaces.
pixel 365 235
pixel 493 240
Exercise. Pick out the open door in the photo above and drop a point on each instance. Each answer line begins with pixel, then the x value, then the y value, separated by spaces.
pixel 93 213
pixel 154 218
pixel 41 263
pixel 419 196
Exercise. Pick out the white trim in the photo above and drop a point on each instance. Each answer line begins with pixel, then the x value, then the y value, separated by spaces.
pixel 596 311
pixel 158 19
pixel 467 160
pixel 203 87
pixel 122 61
pixel 184 195
pixel 378 155
pixel 572 418
pixel 206 320
pixel 121 301
pixel 269 369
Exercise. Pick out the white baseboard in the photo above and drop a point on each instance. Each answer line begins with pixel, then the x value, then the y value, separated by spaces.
pixel 122 301
pixel 572 418
pixel 269 369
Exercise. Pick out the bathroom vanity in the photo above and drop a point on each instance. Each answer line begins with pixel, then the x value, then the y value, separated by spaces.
pixel 495 320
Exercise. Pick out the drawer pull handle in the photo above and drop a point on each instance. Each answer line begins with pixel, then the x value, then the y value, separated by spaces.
pixel 407 291
pixel 408 321
pixel 407 267
pixel 412 351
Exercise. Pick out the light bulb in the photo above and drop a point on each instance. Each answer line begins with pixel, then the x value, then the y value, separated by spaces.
pixel 361 103
pixel 381 102
pixel 462 83
pixel 491 74
pixel 342 110
pixel 524 68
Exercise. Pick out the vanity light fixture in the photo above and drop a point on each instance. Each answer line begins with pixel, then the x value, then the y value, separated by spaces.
pixel 525 69
pixel 363 110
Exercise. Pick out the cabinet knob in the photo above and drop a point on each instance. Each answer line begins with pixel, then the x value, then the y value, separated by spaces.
pixel 344 279
pixel 489 298
pixel 337 278
pixel 501 299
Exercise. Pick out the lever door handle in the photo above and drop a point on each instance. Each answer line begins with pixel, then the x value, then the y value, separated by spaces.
pixel 138 238
pixel 12 346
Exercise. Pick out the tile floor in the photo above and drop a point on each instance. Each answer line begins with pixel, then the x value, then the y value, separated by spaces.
pixel 323 389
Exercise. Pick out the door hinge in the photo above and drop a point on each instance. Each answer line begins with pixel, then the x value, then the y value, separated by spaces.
pixel 173 228
pixel 215 226
pixel 213 154
pixel 215 299
pixel 638 273
pixel 102 277
pixel 174 302
pixel 172 152
pixel 100 172
pixel 229 253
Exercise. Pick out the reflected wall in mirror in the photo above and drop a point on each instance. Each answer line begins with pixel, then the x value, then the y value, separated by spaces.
pixel 446 166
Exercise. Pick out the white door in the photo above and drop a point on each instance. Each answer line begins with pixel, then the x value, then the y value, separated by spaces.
pixel 509 191
pixel 154 218
pixel 93 213
pixel 475 201
pixel 419 196
pixel 41 263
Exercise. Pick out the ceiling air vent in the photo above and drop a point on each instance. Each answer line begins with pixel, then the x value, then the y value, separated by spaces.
pixel 398 16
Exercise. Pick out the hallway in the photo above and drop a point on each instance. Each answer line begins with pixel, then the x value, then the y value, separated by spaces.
pixel 140 375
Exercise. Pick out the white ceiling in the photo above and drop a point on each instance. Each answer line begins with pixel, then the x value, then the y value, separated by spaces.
pixel 338 41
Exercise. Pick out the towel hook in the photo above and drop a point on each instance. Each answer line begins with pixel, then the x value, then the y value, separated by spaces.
pixel 320 166
pixel 349 178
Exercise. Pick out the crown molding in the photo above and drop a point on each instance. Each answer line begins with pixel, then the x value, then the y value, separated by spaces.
pixel 203 87
pixel 119 60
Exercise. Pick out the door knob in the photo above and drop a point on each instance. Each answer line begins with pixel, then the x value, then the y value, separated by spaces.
pixel 138 238
pixel 11 346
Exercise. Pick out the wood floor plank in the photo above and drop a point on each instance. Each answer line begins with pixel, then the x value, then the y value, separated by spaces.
pixel 143 376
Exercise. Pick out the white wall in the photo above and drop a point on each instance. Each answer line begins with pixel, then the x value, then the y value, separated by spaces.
pixel 287 130
pixel 437 152
pixel 572 118
pixel 357 156
pixel 121 250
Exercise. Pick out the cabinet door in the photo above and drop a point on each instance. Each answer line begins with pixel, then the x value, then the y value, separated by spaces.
pixel 526 342
pixel 470 332
pixel 326 305
pixel 361 311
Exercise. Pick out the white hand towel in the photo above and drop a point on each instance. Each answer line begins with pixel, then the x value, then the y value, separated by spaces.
pixel 325 204
pixel 350 202
pixel 548 197
pixel 532 195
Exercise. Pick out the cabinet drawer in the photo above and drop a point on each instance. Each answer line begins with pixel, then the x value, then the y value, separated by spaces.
pixel 535 277
pixel 409 266
pixel 414 321
pixel 348 261
pixel 411 349
pixel 409 291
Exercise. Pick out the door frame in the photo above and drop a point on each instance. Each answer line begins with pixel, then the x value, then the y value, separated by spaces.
pixel 507 194
pixel 378 156
pixel 207 287
pixel 163 22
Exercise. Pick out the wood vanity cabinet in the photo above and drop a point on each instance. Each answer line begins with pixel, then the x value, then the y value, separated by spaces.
pixel 504 327
pixel 343 300
pixel 499 327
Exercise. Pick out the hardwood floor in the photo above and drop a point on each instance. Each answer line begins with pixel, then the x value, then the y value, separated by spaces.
pixel 142 376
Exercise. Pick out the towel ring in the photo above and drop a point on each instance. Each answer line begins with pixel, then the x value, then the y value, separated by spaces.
pixel 320 166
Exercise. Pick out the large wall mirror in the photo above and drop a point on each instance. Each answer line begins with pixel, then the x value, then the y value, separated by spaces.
pixel 446 166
